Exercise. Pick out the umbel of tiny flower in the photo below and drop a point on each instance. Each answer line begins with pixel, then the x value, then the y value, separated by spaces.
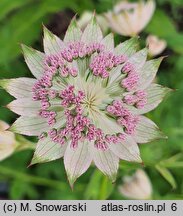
pixel 87 100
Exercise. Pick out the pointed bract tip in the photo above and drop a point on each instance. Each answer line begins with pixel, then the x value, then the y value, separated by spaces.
pixel 33 162
pixel 11 129
pixel 113 177
pixel 74 17
pixel 44 28
pixel 4 106
pixel 24 48
pixel 73 22
pixel 19 43
pixel 43 25
pixel 21 47
pixel 173 90
pixel 93 18
pixel 163 57
pixel 71 186
pixel 162 135
pixel 30 165
pixel 114 181
pixel 138 159
pixel 71 182
pixel 47 32
pixel 8 129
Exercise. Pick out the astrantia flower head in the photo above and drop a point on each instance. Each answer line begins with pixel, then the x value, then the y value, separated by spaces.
pixel 7 141
pixel 129 19
pixel 87 99
pixel 137 186
pixel 155 45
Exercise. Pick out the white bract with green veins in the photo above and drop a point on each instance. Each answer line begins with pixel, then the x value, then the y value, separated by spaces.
pixel 87 100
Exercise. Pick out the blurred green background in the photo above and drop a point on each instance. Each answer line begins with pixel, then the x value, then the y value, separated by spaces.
pixel 21 22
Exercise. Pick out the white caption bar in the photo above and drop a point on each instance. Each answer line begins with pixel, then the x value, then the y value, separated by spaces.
pixel 91 207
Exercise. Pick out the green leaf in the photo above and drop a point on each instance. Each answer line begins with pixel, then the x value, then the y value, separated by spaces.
pixel 162 26
pixel 99 187
pixel 93 187
pixel 173 162
pixel 15 30
pixel 8 6
pixel 106 188
pixel 177 164
pixel 20 189
pixel 167 175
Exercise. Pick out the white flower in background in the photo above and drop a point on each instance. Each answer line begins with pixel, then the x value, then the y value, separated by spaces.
pixel 155 45
pixel 129 19
pixel 137 186
pixel 86 17
pixel 7 141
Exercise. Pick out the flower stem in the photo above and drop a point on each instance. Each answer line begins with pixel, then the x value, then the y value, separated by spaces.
pixel 23 143
pixel 34 179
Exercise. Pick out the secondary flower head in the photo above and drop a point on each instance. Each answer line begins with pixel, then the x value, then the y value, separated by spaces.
pixel 137 186
pixel 130 19
pixel 7 141
pixel 87 99
pixel 155 45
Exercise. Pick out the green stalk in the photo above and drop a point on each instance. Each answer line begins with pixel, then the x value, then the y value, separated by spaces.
pixel 23 143
pixel 10 173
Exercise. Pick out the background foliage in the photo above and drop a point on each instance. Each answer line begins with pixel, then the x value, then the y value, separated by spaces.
pixel 20 22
